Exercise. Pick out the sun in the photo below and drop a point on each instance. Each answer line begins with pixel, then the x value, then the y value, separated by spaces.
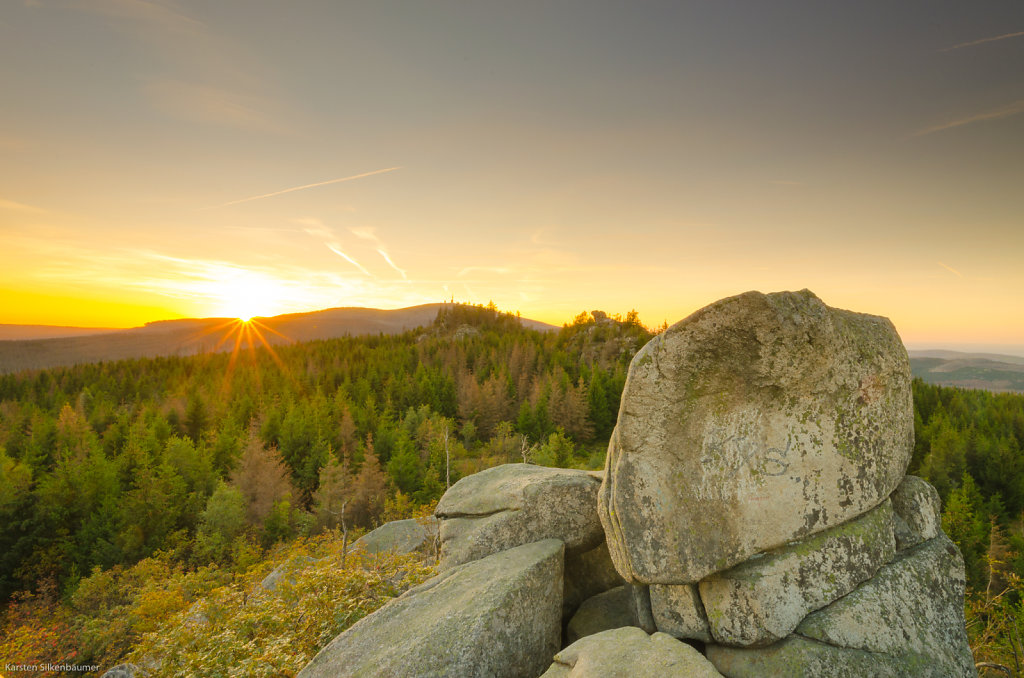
pixel 248 296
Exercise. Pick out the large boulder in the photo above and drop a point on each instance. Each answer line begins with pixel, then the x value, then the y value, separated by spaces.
pixel 400 536
pixel 514 504
pixel 757 420
pixel 905 621
pixel 627 653
pixel 763 599
pixel 499 616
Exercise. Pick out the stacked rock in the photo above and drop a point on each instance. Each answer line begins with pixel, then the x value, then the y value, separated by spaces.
pixel 753 519
pixel 755 494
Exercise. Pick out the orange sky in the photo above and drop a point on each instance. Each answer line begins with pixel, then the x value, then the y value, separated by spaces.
pixel 170 159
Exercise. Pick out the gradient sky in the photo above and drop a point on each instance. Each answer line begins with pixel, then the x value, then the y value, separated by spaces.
pixel 549 156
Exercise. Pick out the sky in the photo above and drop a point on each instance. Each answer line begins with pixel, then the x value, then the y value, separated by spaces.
pixel 167 159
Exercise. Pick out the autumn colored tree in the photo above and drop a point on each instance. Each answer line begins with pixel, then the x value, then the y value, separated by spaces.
pixel 262 478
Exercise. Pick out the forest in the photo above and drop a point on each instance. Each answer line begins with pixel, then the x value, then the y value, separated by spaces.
pixel 153 482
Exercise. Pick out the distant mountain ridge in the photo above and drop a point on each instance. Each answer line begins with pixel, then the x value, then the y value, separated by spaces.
pixel 191 336
pixel 986 371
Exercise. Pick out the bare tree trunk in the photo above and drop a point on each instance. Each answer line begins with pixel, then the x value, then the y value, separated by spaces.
pixel 344 538
pixel 447 460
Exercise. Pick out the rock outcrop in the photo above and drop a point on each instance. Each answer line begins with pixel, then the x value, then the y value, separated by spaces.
pixel 754 520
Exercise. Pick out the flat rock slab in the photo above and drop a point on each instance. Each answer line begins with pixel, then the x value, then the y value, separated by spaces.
pixel 907 621
pixel 755 421
pixel 399 536
pixel 763 599
pixel 499 617
pixel 917 505
pixel 514 504
pixel 628 653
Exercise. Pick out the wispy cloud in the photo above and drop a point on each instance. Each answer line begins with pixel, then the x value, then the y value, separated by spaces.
pixel 211 286
pixel 348 259
pixel 203 76
pixel 20 207
pixel 497 270
pixel 392 264
pixel 370 233
pixel 318 229
pixel 157 15
pixel 197 102
pixel 1015 108
pixel 304 187
pixel 982 41
pixel 950 269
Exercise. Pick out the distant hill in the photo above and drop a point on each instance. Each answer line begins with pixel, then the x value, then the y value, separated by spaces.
pixel 986 371
pixel 191 336
pixel 22 332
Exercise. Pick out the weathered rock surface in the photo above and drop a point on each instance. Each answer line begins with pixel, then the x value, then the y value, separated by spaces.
pixel 399 536
pixel 499 616
pixel 609 610
pixel 763 599
pixel 917 505
pixel 586 575
pixel 757 420
pixel 627 653
pixel 679 611
pixel 905 621
pixel 514 504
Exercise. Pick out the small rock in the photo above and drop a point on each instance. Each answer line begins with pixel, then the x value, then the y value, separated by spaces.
pixel 586 575
pixel 400 536
pixel 286 571
pixel 917 505
pixel 679 611
pixel 628 653
pixel 125 671
pixel 609 610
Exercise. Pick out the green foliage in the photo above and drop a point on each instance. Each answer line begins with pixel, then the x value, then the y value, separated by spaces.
pixel 241 629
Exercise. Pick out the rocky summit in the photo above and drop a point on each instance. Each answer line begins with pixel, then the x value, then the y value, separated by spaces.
pixel 754 519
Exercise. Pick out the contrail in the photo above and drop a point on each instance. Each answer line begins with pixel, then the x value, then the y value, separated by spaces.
pixel 302 188
pixel 950 269
pixel 972 43
pixel 1012 109
pixel 348 259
